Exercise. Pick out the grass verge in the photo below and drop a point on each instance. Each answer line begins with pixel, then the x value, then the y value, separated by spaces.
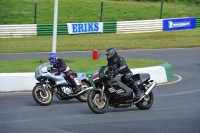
pixel 76 64
pixel 87 42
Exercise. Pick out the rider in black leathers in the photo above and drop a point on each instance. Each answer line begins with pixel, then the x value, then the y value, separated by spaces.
pixel 117 65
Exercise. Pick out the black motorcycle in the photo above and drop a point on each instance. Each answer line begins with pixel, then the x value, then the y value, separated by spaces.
pixel 111 91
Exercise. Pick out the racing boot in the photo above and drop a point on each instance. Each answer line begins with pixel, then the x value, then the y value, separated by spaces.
pixel 136 89
pixel 138 93
pixel 76 87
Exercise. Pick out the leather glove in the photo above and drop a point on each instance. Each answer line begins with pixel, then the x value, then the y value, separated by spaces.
pixel 54 70
pixel 115 72
pixel 58 70
pixel 109 72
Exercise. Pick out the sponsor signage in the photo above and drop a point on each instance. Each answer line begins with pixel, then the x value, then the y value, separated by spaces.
pixel 90 27
pixel 179 24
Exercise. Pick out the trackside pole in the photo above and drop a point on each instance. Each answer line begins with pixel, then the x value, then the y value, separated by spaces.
pixel 55 26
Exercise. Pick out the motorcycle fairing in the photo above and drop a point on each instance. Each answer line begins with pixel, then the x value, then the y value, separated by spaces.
pixel 119 91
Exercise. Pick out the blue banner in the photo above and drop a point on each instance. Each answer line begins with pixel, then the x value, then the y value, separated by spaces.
pixel 179 24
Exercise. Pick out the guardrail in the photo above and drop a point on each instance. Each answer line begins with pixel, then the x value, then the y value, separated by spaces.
pixel 18 30
pixel 62 29
pixel 139 26
pixel 47 29
pixel 197 21
pixel 120 27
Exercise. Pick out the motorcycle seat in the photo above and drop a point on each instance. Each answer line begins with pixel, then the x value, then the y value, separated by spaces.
pixel 141 77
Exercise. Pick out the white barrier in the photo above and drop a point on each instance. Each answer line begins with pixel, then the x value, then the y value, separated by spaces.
pixel 17 81
pixel 18 30
pixel 26 81
pixel 139 26
pixel 157 73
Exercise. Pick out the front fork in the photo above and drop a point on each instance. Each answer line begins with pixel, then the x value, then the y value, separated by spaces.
pixel 45 86
pixel 101 92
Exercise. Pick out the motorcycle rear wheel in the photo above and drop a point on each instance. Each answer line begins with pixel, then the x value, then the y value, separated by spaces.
pixel 83 96
pixel 95 105
pixel 40 97
pixel 146 103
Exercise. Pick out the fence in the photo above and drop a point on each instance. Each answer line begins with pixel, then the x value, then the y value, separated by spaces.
pixel 47 29
pixel 62 29
pixel 18 30
pixel 197 21
pixel 139 26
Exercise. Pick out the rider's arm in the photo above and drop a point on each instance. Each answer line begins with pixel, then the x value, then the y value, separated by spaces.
pixel 122 65
pixel 109 66
pixel 62 65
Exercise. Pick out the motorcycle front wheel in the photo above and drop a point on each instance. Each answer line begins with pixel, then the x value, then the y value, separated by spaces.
pixel 42 98
pixel 94 103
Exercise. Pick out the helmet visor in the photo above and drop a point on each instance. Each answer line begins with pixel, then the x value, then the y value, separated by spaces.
pixel 108 56
pixel 51 60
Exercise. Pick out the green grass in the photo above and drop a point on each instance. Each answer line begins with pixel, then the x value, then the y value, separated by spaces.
pixel 22 11
pixel 87 42
pixel 76 64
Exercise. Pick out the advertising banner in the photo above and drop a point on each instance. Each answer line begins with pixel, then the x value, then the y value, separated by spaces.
pixel 90 27
pixel 179 24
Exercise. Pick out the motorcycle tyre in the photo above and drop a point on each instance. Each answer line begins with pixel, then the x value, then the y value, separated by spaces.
pixel 91 105
pixel 145 107
pixel 83 97
pixel 36 98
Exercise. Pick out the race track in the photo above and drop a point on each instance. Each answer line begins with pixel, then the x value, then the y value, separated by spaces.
pixel 176 107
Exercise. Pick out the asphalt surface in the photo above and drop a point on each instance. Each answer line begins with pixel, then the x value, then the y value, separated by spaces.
pixel 176 107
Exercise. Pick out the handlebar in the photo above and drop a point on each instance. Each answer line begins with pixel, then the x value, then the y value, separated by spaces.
pixel 111 75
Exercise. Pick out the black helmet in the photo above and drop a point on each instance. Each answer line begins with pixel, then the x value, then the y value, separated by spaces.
pixel 111 54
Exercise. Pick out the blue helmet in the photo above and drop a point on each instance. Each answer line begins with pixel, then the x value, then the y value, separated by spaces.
pixel 52 58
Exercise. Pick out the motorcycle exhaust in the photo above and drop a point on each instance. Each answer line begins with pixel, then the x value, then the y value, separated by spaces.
pixel 147 92
pixel 150 88
pixel 86 89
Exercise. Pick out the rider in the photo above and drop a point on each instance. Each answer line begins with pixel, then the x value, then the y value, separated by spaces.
pixel 62 66
pixel 117 64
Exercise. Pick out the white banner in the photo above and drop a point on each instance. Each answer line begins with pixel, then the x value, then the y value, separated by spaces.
pixel 90 27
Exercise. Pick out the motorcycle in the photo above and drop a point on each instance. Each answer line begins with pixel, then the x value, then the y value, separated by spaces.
pixel 111 91
pixel 51 82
